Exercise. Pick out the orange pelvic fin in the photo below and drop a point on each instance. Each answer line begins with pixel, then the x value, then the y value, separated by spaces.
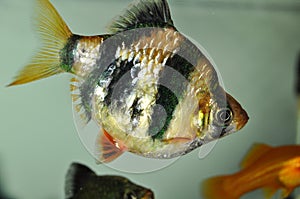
pixel 108 148
pixel 256 151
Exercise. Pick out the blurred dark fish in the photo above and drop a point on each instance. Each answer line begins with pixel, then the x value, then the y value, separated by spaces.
pixel 4 196
pixel 3 193
pixel 266 167
pixel 83 183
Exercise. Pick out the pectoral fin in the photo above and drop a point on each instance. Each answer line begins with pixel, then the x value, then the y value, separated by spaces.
pixel 83 109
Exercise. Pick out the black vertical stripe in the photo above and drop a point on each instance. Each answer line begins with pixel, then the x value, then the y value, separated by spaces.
pixel 159 125
pixel 115 87
pixel 67 55
pixel 171 87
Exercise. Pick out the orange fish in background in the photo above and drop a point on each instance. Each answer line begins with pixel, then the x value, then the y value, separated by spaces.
pixel 266 167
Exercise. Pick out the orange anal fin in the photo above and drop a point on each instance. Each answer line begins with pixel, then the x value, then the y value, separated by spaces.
pixel 270 191
pixel 109 148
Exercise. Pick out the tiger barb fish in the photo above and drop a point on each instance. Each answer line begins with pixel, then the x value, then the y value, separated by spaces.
pixel 148 87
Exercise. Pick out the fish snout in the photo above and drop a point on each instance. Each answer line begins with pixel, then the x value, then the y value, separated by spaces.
pixel 240 116
pixel 148 195
pixel 242 119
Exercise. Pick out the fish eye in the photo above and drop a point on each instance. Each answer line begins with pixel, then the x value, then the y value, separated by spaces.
pixel 223 116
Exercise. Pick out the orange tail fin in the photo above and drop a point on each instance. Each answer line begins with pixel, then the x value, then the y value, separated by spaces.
pixel 54 34
pixel 217 188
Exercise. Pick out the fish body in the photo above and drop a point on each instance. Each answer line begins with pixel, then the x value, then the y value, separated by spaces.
pixel 83 183
pixel 149 88
pixel 266 167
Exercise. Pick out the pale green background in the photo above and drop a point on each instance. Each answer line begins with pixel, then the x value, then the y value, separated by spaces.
pixel 254 48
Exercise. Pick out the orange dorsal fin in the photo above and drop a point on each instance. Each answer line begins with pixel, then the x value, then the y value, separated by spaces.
pixel 108 149
pixel 255 152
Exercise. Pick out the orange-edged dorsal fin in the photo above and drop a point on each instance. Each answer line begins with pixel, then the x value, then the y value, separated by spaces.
pixel 108 149
pixel 82 110
pixel 143 13
pixel 256 151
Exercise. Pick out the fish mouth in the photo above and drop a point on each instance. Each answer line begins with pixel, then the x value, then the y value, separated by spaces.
pixel 240 115
pixel 242 120
pixel 148 195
